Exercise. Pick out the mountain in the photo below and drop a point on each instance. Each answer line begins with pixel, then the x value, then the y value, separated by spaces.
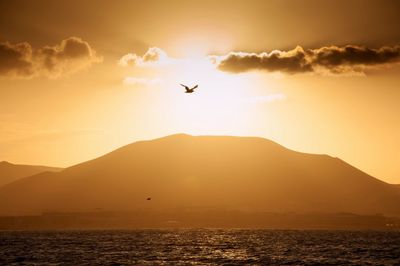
pixel 10 172
pixel 204 173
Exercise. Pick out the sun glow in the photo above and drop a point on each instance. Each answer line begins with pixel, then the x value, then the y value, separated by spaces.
pixel 216 107
pixel 222 104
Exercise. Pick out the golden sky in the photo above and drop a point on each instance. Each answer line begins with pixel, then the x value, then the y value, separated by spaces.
pixel 81 78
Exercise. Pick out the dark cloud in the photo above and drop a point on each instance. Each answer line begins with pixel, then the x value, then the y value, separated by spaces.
pixel 16 59
pixel 354 58
pixel 20 60
pixel 332 59
pixel 292 61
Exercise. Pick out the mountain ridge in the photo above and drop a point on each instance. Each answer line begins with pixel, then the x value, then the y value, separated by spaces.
pixel 10 172
pixel 183 171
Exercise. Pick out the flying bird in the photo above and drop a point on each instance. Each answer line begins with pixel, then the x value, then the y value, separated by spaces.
pixel 148 199
pixel 189 90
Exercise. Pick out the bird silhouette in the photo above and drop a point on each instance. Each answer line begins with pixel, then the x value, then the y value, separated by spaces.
pixel 189 90
pixel 148 199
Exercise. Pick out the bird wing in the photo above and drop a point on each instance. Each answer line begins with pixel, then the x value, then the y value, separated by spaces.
pixel 186 87
pixel 195 87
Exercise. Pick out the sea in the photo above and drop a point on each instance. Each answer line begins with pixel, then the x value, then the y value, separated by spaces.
pixel 199 247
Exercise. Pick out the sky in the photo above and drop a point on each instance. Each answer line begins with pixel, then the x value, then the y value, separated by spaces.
pixel 79 79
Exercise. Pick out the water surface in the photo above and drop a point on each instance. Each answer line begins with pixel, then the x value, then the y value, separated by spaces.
pixel 199 247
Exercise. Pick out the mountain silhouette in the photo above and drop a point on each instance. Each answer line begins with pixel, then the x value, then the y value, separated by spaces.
pixel 217 172
pixel 10 172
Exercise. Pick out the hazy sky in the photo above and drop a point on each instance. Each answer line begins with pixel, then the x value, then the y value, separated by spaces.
pixel 81 78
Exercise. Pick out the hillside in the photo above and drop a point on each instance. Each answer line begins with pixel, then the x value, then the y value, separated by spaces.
pixel 10 172
pixel 205 172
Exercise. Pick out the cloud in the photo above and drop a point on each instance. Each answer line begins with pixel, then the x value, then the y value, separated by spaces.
pixel 325 60
pixel 353 58
pixel 136 81
pixel 292 61
pixel 128 60
pixel 16 59
pixel 154 55
pixel 22 61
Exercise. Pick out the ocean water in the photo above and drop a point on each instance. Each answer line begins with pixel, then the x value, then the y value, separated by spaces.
pixel 199 247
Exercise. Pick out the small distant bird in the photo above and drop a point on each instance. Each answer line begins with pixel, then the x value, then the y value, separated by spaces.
pixel 148 199
pixel 189 90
